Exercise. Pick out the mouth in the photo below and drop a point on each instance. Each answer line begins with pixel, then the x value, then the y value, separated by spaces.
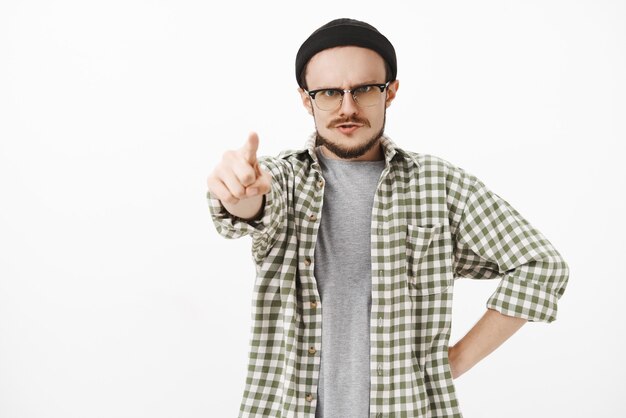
pixel 348 128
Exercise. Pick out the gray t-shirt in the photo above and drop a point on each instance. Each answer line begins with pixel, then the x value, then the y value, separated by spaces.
pixel 342 268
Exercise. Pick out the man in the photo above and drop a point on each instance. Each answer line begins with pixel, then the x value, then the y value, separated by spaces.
pixel 357 243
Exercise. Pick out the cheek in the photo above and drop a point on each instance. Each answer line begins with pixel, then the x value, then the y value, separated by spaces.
pixel 320 121
pixel 376 119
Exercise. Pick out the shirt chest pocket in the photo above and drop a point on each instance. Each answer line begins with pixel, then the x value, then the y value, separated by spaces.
pixel 428 262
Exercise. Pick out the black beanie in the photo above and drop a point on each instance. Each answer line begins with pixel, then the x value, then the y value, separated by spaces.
pixel 341 32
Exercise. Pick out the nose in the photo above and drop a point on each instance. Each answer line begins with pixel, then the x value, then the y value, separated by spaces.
pixel 348 105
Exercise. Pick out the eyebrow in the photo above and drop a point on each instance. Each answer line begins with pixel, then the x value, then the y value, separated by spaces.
pixel 354 85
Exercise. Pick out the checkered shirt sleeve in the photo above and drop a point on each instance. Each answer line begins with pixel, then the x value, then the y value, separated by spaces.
pixel 495 241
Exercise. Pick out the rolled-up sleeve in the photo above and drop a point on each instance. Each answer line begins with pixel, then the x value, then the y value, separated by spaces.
pixel 494 241
pixel 265 230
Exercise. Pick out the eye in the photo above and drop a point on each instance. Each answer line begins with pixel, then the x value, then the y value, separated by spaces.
pixel 362 89
pixel 329 93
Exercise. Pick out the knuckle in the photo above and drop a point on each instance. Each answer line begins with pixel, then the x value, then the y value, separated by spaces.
pixel 239 192
pixel 247 179
pixel 218 174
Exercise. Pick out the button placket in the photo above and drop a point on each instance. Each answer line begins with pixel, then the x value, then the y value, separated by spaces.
pixel 308 261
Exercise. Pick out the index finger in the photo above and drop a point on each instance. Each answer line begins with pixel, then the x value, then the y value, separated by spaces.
pixel 250 148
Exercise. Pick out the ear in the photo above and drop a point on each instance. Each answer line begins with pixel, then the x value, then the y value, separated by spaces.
pixel 391 92
pixel 306 100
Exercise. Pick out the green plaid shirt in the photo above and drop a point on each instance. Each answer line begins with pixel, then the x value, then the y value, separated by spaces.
pixel 431 223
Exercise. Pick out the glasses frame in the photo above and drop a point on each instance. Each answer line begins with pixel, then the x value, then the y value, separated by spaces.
pixel 312 93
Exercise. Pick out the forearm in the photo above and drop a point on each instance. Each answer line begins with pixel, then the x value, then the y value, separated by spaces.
pixel 488 334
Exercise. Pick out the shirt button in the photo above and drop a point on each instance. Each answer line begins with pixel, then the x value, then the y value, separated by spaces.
pixel 380 369
pixel 312 218
pixel 307 261
pixel 313 304
pixel 380 273
pixel 380 321
pixel 312 350
pixel 380 230
pixel 309 397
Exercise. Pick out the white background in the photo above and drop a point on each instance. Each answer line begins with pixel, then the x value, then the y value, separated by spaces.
pixel 119 299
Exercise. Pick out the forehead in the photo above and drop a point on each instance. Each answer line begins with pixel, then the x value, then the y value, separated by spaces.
pixel 344 66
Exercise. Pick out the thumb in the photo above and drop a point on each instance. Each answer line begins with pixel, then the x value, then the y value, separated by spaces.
pixel 250 148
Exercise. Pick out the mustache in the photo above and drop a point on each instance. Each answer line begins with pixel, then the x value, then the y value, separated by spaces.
pixel 353 119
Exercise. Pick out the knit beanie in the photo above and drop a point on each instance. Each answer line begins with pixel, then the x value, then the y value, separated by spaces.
pixel 342 32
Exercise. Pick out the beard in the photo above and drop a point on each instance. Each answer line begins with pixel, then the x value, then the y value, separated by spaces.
pixel 349 153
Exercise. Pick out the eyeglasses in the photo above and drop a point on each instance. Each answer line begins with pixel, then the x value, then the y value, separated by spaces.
pixel 365 95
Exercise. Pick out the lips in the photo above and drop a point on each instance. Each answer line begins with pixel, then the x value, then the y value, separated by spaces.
pixel 348 128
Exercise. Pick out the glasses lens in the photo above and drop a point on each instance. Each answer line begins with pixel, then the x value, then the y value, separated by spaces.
pixel 364 96
pixel 328 99
pixel 367 95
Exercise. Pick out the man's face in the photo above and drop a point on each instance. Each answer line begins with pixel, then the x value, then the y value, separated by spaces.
pixel 346 67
